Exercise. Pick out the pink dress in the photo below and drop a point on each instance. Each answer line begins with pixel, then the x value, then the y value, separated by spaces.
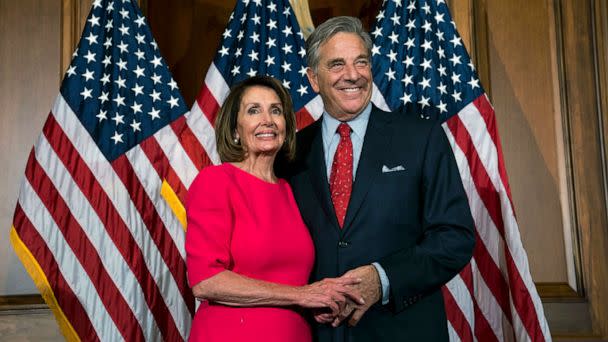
pixel 241 223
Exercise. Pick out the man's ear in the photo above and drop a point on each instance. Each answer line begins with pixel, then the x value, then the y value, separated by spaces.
pixel 312 78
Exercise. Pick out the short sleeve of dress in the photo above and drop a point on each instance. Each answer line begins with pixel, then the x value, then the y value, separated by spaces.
pixel 209 226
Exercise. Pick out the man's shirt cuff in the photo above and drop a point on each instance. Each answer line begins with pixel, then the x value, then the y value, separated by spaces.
pixel 386 286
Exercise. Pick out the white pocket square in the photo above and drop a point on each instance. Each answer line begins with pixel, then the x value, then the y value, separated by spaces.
pixel 386 169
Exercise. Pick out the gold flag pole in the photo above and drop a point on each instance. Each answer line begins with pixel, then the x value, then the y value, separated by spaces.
pixel 300 7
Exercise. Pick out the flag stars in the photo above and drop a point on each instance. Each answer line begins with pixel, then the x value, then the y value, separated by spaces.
pixel 455 78
pixel 443 107
pixel 238 52
pixel 103 97
pixel 154 114
pixel 439 18
pixel 411 24
pixel 122 65
pixel 107 61
pixel 287 49
pixel 155 95
pixel 140 38
pixel 302 52
pixel 272 24
pixel 156 78
pixel 390 74
pixel 426 64
pixel 394 37
pixel 120 82
pixel 474 83
pixel 251 72
pixel 97 4
pixel 240 35
pixel 392 56
pixel 302 90
pixel 156 61
pixel 286 67
pixel 90 57
pixel 124 13
pixel 397 3
pixel 105 79
pixel 256 19
pixel 124 30
pixel 139 72
pixel 227 33
pixel 71 70
pixel 269 60
pixel 427 45
pixel 118 119
pixel 120 101
pixel 108 43
pixel 255 37
pixel 86 93
pixel 109 25
pixel 439 35
pixel 407 80
pixel 253 55
pixel 235 70
pixel 395 18
pixel 409 61
pixel 377 32
pixel 140 54
pixel 117 138
pixel 380 15
pixel 441 52
pixel 424 101
pixel 88 75
pixel 136 126
pixel 455 60
pixel 427 26
pixel 412 6
pixel 110 7
pixel 287 31
pixel 442 88
pixel 123 47
pixel 286 84
pixel 138 90
pixel 456 96
pixel 406 98
pixel 375 50
pixel 136 108
pixel 102 115
pixel 271 43
pixel 410 43
pixel 302 71
pixel 140 21
pixel 456 41
pixel 426 83
pixel 286 12
pixel 92 39
pixel 172 84
pixel 426 8
pixel 173 102
pixel 442 71
pixel 272 7
pixel 223 51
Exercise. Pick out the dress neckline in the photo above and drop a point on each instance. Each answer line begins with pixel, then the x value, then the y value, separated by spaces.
pixel 254 177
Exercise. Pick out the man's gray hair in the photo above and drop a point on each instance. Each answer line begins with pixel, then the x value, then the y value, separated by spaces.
pixel 328 29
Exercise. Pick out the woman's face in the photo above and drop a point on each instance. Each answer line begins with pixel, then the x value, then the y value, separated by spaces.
pixel 260 124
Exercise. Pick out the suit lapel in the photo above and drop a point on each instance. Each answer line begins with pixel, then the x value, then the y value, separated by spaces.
pixel 318 175
pixel 375 147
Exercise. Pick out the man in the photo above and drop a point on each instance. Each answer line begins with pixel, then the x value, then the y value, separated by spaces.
pixel 382 197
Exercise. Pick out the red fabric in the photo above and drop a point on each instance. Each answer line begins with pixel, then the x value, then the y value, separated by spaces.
pixel 241 223
pixel 341 177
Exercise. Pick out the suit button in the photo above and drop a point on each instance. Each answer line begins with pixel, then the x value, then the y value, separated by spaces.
pixel 343 244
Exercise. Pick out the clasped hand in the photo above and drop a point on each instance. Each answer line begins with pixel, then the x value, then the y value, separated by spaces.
pixel 347 297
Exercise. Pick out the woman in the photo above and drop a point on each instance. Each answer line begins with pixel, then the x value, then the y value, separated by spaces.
pixel 249 254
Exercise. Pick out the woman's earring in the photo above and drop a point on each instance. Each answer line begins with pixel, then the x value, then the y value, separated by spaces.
pixel 236 140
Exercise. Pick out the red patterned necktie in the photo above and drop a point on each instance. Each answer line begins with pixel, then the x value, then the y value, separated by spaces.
pixel 341 176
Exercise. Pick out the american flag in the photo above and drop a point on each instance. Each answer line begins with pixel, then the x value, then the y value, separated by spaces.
pixel 421 66
pixel 105 249
pixel 262 37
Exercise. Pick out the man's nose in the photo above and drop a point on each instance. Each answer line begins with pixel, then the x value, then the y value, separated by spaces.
pixel 351 73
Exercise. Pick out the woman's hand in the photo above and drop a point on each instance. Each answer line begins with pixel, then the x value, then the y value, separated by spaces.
pixel 330 293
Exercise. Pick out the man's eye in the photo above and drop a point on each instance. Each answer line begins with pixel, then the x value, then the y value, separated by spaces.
pixel 336 66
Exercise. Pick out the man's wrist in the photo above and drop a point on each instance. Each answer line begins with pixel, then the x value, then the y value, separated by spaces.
pixel 384 283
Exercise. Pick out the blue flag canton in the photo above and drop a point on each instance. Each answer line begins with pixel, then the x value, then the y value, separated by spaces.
pixel 419 62
pixel 264 38
pixel 118 85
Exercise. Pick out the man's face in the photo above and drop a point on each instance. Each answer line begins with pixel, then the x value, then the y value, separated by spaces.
pixel 343 76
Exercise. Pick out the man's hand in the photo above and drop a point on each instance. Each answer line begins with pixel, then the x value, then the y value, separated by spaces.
pixel 369 287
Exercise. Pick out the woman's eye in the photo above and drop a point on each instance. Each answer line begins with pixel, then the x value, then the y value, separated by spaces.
pixel 253 110
pixel 277 111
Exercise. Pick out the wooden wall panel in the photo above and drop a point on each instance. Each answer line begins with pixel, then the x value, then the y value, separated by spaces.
pixel 29 82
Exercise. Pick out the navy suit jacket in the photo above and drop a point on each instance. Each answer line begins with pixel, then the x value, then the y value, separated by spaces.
pixel 414 220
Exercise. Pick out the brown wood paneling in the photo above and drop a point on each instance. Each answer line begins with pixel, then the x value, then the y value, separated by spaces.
pixel 587 167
